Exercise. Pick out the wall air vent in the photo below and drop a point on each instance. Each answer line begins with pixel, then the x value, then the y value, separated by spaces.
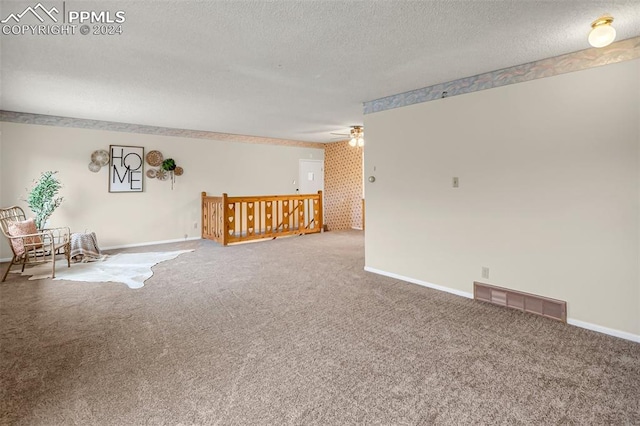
pixel 539 305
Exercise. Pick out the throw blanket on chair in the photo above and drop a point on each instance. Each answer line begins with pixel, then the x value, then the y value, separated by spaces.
pixel 84 247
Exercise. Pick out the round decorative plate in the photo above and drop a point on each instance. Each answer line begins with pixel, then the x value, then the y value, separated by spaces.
pixel 94 167
pixel 162 175
pixel 178 171
pixel 155 158
pixel 151 173
pixel 100 157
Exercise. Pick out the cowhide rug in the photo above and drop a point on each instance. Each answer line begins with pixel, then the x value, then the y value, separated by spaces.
pixel 132 269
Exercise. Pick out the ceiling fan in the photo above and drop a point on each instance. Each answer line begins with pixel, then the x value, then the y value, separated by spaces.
pixel 355 135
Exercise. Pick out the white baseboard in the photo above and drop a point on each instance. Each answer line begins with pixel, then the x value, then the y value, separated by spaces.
pixel 420 282
pixel 582 324
pixel 150 243
pixel 605 330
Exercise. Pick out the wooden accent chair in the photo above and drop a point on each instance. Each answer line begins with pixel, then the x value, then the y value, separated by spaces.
pixel 30 245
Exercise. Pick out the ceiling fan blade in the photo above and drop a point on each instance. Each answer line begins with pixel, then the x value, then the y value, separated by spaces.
pixel 339 134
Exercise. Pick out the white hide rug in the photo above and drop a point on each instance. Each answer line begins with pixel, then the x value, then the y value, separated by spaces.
pixel 132 269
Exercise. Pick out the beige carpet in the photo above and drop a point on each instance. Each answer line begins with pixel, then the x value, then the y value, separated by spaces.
pixel 293 331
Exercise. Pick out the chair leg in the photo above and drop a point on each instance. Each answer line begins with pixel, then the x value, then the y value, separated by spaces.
pixel 4 277
pixel 67 252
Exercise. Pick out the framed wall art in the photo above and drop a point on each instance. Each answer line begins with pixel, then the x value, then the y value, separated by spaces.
pixel 126 168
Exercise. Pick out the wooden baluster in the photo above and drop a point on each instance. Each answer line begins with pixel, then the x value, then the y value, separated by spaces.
pixel 269 218
pixel 203 215
pixel 285 215
pixel 214 222
pixel 301 217
pixel 260 220
pixel 218 222
pixel 257 214
pixel 250 218
pixel 225 223
pixel 295 215
pixel 240 219
pixel 208 221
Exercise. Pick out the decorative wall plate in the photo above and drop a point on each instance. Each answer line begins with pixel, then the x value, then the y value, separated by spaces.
pixel 151 173
pixel 94 167
pixel 162 175
pixel 100 157
pixel 178 171
pixel 155 158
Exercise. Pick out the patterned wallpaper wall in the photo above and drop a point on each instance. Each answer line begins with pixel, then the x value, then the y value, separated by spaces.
pixel 342 186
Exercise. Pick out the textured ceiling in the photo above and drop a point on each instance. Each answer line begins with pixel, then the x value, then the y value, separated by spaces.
pixel 286 69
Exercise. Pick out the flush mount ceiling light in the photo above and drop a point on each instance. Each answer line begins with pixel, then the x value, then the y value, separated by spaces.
pixel 602 33
pixel 357 136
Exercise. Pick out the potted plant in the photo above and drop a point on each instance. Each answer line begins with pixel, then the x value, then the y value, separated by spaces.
pixel 169 165
pixel 42 198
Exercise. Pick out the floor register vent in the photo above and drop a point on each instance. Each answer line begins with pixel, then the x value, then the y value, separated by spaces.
pixel 539 305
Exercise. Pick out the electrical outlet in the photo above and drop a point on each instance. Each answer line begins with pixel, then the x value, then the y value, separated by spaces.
pixel 195 225
pixel 485 272
pixel 455 182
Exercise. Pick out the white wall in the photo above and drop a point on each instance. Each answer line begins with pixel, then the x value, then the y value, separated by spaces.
pixel 548 197
pixel 157 214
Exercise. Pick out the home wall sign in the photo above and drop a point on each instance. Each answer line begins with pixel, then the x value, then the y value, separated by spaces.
pixel 126 168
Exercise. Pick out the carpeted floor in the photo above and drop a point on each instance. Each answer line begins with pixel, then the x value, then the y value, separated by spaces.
pixel 293 331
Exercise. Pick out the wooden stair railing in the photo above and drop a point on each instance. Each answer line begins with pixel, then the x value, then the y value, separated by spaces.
pixel 230 220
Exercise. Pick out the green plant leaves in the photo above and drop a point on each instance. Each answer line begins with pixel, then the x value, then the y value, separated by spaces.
pixel 42 198
pixel 169 164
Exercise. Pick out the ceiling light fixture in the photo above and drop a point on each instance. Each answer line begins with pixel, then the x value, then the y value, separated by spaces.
pixel 602 33
pixel 357 136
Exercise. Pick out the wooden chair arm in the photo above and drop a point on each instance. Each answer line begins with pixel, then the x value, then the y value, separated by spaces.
pixel 40 234
pixel 60 235
pixel 34 248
